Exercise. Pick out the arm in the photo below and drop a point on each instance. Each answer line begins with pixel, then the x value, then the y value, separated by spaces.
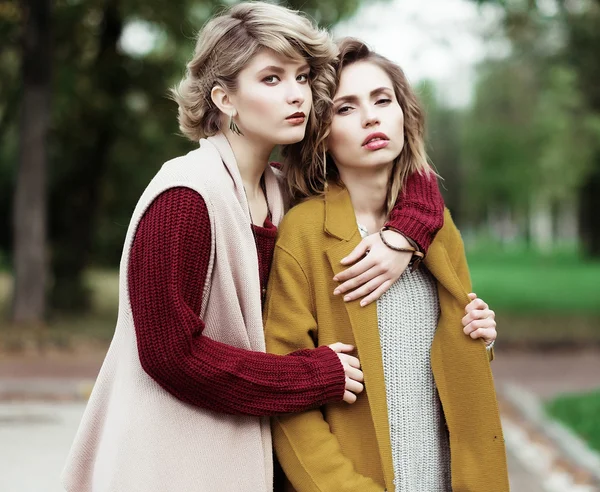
pixel 416 218
pixel 419 210
pixel 307 450
pixel 167 271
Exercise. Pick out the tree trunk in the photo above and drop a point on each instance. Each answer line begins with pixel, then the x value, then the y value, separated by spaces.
pixel 29 204
pixel 75 226
pixel 590 218
pixel 541 223
pixel 583 48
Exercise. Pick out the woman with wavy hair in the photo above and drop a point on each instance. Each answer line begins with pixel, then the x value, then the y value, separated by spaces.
pixel 428 420
pixel 182 399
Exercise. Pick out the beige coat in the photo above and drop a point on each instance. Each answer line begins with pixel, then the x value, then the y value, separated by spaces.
pixel 134 435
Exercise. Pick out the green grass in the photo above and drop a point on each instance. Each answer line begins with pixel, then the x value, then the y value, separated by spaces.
pixel 526 283
pixel 581 413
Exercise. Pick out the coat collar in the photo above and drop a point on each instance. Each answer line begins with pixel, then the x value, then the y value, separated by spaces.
pixel 340 220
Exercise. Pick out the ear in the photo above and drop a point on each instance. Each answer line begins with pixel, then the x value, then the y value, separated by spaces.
pixel 222 100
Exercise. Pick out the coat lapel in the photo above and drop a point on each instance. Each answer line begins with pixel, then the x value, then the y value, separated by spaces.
pixel 438 263
pixel 340 222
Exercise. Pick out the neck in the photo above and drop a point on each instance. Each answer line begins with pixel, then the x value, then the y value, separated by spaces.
pixel 252 159
pixel 368 190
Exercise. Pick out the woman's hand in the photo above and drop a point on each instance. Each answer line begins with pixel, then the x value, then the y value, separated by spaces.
pixel 376 271
pixel 354 376
pixel 480 320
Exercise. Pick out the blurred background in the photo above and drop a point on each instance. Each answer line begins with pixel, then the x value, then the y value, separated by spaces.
pixel 512 92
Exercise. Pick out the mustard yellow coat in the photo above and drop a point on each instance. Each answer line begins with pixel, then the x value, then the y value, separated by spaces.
pixel 341 447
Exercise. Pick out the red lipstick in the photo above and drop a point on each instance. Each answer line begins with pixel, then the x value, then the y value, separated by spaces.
pixel 296 118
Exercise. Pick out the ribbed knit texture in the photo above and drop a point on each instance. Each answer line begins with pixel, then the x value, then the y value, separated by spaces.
pixel 169 261
pixel 168 264
pixel 419 210
pixel 407 317
pixel 135 434
pixel 201 344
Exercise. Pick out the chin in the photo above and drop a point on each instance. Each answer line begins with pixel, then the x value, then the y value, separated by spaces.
pixel 380 158
pixel 290 135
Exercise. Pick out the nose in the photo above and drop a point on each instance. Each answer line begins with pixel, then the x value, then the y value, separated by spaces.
pixel 370 118
pixel 295 95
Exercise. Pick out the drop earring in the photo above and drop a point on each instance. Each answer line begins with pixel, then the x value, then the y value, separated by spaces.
pixel 233 126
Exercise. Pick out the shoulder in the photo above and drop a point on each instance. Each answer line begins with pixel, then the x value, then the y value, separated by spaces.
pixel 303 222
pixel 188 162
pixel 449 235
pixel 200 170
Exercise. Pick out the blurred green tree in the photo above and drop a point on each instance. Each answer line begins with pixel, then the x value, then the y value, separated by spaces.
pixel 444 147
pixel 565 35
pixel 111 123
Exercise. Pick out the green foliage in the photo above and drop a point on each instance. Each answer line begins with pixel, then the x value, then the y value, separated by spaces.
pixel 559 42
pixel 580 413
pixel 525 282
pixel 112 123
pixel 498 141
pixel 567 133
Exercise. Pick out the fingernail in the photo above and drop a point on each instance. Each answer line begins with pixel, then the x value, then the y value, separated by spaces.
pixel 336 292
pixel 347 298
pixel 363 303
pixel 335 279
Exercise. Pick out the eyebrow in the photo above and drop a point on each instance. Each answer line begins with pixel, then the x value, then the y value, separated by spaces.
pixel 353 98
pixel 280 70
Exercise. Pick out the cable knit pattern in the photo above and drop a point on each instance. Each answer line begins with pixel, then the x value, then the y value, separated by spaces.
pixel 407 318
pixel 419 210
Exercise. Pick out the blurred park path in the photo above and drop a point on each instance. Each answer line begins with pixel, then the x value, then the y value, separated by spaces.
pixel 549 373
pixel 35 439
pixel 43 431
pixel 546 374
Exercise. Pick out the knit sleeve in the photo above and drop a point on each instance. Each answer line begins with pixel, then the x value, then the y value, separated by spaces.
pixel 419 210
pixel 167 270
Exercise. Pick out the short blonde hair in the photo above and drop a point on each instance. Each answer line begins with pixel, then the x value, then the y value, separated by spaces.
pixel 305 167
pixel 228 42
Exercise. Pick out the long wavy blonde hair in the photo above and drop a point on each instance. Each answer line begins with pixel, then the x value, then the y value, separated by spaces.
pixel 308 165
pixel 228 42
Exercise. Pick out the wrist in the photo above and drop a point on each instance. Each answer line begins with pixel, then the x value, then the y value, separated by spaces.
pixel 417 256
pixel 401 239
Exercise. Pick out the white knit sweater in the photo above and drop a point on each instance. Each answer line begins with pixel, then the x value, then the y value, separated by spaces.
pixel 408 316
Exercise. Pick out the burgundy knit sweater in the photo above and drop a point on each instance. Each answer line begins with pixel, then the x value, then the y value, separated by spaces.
pixel 167 271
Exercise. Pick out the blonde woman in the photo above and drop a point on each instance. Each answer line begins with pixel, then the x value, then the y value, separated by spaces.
pixel 428 420
pixel 182 398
